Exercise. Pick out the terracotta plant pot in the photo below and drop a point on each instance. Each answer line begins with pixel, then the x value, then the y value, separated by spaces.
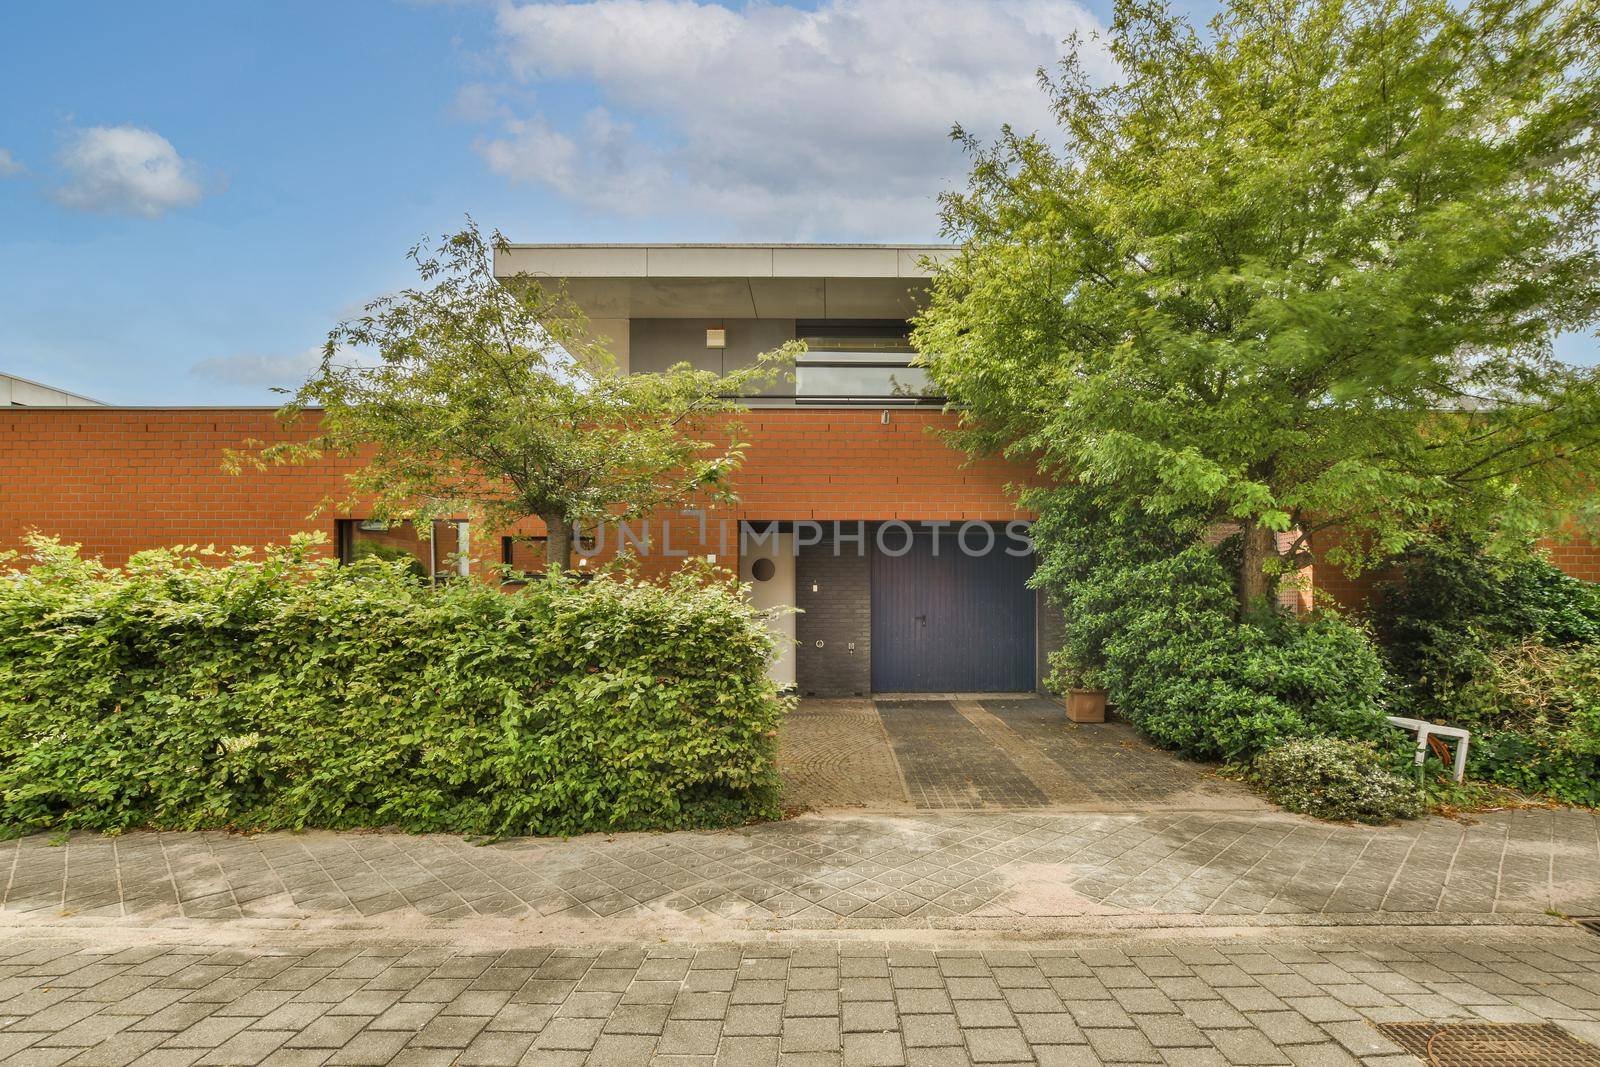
pixel 1086 705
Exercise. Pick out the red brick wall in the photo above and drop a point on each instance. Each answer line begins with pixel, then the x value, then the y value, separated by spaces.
pixel 1577 557
pixel 844 463
pixel 119 480
pixel 1332 587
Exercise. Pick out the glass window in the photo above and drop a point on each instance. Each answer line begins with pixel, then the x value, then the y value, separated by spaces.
pixel 866 359
pixel 860 381
pixel 524 554
pixel 376 538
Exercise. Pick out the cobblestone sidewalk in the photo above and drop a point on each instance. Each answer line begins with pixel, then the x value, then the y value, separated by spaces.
pixel 929 870
pixel 1193 1002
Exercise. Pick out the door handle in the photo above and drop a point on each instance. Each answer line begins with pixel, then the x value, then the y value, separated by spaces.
pixel 923 619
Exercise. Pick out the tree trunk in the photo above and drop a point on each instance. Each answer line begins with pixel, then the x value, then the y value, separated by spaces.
pixel 558 542
pixel 1255 583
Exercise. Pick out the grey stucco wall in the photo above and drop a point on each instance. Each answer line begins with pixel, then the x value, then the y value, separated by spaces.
pixel 656 344
pixel 838 613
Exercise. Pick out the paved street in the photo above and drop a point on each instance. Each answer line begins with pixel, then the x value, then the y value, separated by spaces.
pixel 841 871
pixel 304 1002
pixel 1142 912
pixel 937 938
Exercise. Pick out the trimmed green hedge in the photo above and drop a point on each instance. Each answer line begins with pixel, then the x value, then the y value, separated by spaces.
pixel 189 691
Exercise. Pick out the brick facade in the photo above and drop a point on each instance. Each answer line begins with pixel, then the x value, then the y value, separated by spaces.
pixel 1576 556
pixel 1579 558
pixel 119 480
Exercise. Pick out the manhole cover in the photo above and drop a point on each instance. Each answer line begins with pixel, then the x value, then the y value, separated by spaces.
pixel 1492 1044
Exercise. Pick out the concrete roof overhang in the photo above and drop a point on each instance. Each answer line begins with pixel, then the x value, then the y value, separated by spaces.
pixel 764 281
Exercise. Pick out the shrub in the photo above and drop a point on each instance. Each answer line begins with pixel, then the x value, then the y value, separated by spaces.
pixel 192 689
pixel 1450 604
pixel 1230 692
pixel 389 554
pixel 1508 648
pixel 1150 616
pixel 1535 713
pixel 1331 778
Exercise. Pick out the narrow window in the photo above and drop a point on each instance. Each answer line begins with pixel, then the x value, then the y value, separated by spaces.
pixel 856 360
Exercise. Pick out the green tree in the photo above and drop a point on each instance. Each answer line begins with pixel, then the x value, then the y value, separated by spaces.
pixel 1300 270
pixel 485 397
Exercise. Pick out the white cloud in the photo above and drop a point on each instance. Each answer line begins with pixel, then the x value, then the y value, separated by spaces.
pixel 477 102
pixel 248 369
pixel 125 170
pixel 796 123
pixel 8 165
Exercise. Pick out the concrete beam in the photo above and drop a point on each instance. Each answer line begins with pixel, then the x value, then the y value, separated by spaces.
pixel 784 281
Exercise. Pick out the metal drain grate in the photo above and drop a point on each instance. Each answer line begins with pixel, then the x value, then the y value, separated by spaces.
pixel 1492 1044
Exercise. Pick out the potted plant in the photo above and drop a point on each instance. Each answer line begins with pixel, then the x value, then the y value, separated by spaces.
pixel 1076 674
pixel 1086 705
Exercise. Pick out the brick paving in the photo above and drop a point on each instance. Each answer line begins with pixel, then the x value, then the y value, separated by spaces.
pixel 1109 764
pixel 835 754
pixel 985 754
pixel 1120 1000
pixel 1164 923
pixel 947 761
pixel 927 870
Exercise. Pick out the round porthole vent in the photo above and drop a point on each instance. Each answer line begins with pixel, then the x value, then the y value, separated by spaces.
pixel 762 570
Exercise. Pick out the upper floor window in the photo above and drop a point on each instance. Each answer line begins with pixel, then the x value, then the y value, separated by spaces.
pixel 859 359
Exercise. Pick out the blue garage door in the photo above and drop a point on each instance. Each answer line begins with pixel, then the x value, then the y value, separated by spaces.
pixel 949 621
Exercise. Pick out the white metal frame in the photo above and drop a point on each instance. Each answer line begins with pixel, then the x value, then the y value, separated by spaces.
pixel 1424 730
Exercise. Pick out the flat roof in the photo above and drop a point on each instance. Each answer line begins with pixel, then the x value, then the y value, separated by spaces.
pixel 770 280
pixel 37 394
pixel 723 244
pixel 721 260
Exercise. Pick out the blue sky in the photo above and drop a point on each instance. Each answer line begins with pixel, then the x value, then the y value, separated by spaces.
pixel 191 194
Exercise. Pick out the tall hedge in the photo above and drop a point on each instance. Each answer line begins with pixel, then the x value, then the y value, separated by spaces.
pixel 1150 615
pixel 193 690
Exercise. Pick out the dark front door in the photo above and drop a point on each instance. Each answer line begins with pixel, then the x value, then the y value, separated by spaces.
pixel 950 622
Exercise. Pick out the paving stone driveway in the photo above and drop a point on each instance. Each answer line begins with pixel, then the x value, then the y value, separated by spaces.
pixel 850 1004
pixel 984 754
pixel 928 871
